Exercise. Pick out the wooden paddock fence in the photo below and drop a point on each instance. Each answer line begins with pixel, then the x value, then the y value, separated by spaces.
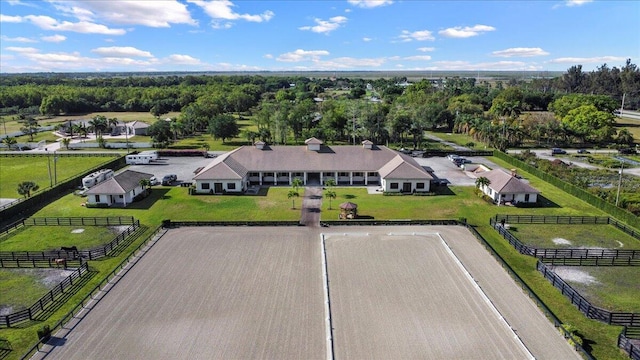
pixel 41 305
pixel 25 257
pixel 68 221
pixel 570 256
pixel 628 341
pixel 591 311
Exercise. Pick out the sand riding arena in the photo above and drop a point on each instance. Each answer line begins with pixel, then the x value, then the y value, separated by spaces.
pixel 386 292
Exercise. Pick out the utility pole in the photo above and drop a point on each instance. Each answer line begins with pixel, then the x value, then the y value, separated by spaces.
pixel 49 167
pixel 622 105
pixel 619 182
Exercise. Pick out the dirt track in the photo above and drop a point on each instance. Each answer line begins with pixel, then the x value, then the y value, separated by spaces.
pixel 247 293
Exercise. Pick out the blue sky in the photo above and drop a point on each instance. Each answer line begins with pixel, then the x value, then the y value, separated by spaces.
pixel 329 35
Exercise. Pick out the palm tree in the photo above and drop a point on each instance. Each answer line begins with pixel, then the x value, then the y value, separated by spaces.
pixel 65 142
pixel 145 183
pixel 296 183
pixel 113 123
pixel 10 142
pixel 292 195
pixel 482 182
pixel 330 194
pixel 98 124
pixel 26 187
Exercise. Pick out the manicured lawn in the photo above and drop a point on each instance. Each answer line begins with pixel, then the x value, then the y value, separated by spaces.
pixel 20 289
pixel 14 170
pixel 614 288
pixel 42 238
pixel 572 236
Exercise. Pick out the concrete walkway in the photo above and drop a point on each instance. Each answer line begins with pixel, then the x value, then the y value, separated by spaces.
pixel 311 206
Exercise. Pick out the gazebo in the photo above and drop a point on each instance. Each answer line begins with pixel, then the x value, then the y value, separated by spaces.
pixel 348 210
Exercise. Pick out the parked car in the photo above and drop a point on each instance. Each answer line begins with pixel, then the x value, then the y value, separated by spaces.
pixel 154 181
pixel 557 151
pixel 627 151
pixel 583 151
pixel 169 179
pixel 452 157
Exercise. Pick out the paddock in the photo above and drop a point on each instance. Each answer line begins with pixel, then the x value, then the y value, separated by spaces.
pixel 263 293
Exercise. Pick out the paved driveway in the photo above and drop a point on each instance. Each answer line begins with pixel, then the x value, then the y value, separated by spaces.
pixel 183 167
pixel 443 168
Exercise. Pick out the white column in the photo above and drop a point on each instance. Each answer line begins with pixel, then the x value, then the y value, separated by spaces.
pixel 304 178
pixel 366 178
pixel 350 177
pixel 335 175
pixel 260 177
pixel 290 178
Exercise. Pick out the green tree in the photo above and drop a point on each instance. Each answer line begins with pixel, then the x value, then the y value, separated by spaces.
pixel 29 126
pixel 296 183
pixel 98 124
pixel 482 182
pixel 113 123
pixel 10 142
pixel 330 194
pixel 160 132
pixel 223 127
pixel 590 124
pixel 65 142
pixel 25 188
pixel 293 194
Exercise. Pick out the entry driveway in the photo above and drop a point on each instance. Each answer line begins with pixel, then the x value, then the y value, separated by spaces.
pixel 443 168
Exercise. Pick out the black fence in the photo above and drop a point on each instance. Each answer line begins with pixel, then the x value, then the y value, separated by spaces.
pixel 543 307
pixel 58 154
pixel 42 304
pixel 430 153
pixel 68 221
pixel 42 263
pixel 170 223
pixel 80 306
pixel 24 257
pixel 571 256
pixel 591 311
pixel 629 341
pixel 356 222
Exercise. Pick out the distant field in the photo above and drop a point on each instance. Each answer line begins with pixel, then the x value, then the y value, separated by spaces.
pixel 14 170
pixel 40 238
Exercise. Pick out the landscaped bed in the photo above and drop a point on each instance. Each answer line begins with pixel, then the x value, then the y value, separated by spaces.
pixel 613 288
pixel 551 236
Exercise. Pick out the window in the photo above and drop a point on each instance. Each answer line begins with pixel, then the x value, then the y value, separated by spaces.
pixel 358 174
pixel 254 174
pixel 372 174
pixel 206 186
pixel 419 185
pixel 231 186
pixel 526 197
pixel 393 186
pixel 283 174
pixel 267 174
pixel 343 174
pixel 120 196
pixel 97 198
pixel 298 175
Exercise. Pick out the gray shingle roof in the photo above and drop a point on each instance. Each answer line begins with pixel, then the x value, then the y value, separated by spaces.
pixel 119 184
pixel 340 158
pixel 503 182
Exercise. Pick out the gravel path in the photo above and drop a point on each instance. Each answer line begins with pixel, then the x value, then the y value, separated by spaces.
pixel 311 206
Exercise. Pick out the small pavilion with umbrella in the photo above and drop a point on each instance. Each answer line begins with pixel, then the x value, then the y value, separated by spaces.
pixel 348 210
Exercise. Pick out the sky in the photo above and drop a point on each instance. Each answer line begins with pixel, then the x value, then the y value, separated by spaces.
pixel 326 35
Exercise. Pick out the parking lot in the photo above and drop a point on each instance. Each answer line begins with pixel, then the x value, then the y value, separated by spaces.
pixel 444 169
pixel 183 167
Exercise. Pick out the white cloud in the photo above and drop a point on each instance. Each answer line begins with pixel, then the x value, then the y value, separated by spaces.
pixel 129 12
pixel 418 58
pixel 22 50
pixel 370 3
pixel 302 55
pixel 121 52
pixel 366 39
pixel 181 59
pixel 576 2
pixel 583 60
pixel 465 32
pixel 10 19
pixel 222 10
pixel 268 56
pixel 421 35
pixel 426 49
pixel 49 23
pixel 326 26
pixel 520 52
pixel 17 39
pixel 54 38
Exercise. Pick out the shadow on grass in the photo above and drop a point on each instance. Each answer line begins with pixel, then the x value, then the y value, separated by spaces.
pixel 442 190
pixel 349 196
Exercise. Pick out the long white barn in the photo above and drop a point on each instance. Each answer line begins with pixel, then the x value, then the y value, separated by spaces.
pixel 236 171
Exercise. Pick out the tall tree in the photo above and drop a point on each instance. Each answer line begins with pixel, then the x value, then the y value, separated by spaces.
pixel 29 126
pixel 223 127
pixel 10 142
pixel 25 188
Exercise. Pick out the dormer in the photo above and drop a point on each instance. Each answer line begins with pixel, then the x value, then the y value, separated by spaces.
pixel 367 144
pixel 313 144
pixel 259 145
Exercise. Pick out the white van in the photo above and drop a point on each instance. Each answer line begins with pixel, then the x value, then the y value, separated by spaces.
pixel 142 158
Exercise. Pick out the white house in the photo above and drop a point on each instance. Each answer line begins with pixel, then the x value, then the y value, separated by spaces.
pixel 118 190
pixel 314 164
pixel 505 187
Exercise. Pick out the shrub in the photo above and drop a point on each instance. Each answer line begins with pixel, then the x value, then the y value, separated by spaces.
pixel 97 205
pixel 44 333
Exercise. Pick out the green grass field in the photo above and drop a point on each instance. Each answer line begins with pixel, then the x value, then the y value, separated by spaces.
pixel 42 238
pixel 573 236
pixel 20 288
pixel 614 288
pixel 14 170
